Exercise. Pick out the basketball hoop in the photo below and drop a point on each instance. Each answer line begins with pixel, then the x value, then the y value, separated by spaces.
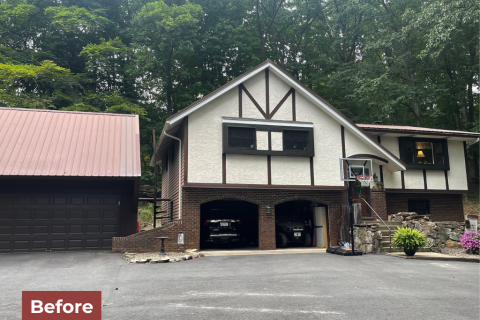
pixel 365 179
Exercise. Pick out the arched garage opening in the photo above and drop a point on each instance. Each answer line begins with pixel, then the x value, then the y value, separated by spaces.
pixel 228 223
pixel 301 223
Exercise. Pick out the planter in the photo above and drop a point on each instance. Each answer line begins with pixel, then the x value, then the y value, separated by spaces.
pixel 409 252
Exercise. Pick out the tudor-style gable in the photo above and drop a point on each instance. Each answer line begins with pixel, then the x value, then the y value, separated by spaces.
pixel 267 129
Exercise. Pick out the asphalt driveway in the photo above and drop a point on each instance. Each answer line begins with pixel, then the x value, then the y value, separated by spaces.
pixel 290 286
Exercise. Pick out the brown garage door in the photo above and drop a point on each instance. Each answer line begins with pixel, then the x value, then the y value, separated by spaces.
pixel 57 222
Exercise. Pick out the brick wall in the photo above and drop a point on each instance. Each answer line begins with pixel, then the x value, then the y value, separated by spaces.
pixel 443 207
pixel 378 202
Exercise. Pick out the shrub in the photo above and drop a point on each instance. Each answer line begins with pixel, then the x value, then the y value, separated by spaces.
pixel 409 239
pixel 471 241
pixel 145 215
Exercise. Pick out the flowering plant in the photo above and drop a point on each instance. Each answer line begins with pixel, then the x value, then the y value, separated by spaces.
pixel 471 241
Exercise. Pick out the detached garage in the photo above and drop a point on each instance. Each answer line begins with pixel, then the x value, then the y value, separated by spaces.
pixel 68 180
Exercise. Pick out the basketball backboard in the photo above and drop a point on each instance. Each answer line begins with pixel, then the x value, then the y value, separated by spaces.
pixel 350 168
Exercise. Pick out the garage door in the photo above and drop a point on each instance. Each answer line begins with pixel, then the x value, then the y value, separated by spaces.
pixel 57 222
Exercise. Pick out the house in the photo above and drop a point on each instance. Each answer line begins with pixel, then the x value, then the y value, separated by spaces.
pixel 265 147
pixel 68 180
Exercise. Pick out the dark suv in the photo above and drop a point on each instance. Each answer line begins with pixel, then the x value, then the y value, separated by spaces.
pixel 221 231
pixel 290 229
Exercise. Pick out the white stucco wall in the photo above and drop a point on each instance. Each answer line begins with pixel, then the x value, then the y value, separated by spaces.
pixel 256 87
pixel 328 142
pixel 392 180
pixel 205 138
pixel 262 140
pixel 246 169
pixel 457 175
pixel 414 179
pixel 277 141
pixel 278 89
pixel 436 180
pixel 290 170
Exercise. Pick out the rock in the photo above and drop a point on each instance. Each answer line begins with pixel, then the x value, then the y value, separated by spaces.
pixel 187 257
pixel 201 255
pixel 431 242
pixel 155 260
pixel 418 226
pixel 451 225
pixel 455 236
pixel 191 250
pixel 425 227
pixel 164 259
pixel 368 237
pixel 452 244
pixel 143 261
pixel 369 248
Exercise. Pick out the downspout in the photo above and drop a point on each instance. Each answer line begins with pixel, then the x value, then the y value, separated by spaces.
pixel 179 174
pixel 471 144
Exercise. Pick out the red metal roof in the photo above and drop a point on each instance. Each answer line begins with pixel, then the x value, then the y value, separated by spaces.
pixel 36 142
pixel 418 130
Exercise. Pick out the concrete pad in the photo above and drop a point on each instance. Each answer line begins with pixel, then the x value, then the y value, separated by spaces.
pixel 432 256
pixel 243 252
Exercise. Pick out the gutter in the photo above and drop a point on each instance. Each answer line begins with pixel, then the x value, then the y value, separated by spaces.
pixel 179 173
pixel 471 144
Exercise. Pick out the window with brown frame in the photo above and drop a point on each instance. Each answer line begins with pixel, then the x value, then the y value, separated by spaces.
pixel 424 154
pixel 295 140
pixel 241 138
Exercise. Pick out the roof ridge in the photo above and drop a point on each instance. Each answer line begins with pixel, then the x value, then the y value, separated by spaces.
pixel 71 112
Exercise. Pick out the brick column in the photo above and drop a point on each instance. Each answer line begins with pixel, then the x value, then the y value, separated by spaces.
pixel 266 228
pixel 378 201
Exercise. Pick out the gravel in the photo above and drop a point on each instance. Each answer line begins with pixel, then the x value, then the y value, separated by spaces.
pixel 155 257
pixel 460 253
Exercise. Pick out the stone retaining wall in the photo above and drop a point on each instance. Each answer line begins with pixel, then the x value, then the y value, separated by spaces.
pixel 445 234
pixel 368 238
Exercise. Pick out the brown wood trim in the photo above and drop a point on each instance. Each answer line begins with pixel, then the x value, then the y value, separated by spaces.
pixel 185 150
pixel 421 132
pixel 224 168
pixel 312 180
pixel 342 135
pixel 294 107
pixel 269 140
pixel 261 186
pixel 379 140
pixel 466 162
pixel 369 156
pixel 240 94
pixel 280 103
pixel 267 94
pixel 254 101
pixel 426 191
pixel 425 179
pixel 446 180
pixel 403 179
pixel 269 170
pixel 381 173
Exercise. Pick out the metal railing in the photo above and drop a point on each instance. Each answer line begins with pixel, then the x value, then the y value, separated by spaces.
pixel 389 230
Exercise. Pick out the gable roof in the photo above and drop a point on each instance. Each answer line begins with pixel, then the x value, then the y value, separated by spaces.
pixel 37 142
pixel 173 121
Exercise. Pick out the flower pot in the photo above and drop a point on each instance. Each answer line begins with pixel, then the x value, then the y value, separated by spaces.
pixel 409 252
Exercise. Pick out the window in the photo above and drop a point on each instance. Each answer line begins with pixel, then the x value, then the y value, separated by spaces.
pixel 424 154
pixel 295 140
pixel 241 138
pixel 421 207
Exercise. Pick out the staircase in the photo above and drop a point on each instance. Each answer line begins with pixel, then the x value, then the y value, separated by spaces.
pixel 393 225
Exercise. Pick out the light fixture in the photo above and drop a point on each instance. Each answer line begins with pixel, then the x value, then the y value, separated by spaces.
pixel 420 154
pixel 375 177
pixel 268 208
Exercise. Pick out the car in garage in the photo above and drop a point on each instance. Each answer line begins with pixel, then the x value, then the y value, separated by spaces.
pixel 222 231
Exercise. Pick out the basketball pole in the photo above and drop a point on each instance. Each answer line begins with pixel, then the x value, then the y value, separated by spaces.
pixel 350 208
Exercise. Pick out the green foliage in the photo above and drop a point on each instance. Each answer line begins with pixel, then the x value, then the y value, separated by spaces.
pixel 400 62
pixel 410 239
pixel 145 215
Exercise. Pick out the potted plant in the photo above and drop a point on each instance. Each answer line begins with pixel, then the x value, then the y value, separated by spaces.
pixel 379 185
pixel 410 240
pixel 358 188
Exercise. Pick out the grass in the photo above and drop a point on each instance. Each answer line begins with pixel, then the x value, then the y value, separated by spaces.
pixel 145 216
